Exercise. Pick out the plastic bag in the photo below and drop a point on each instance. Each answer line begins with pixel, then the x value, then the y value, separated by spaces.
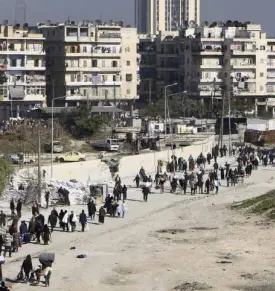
pixel 87 227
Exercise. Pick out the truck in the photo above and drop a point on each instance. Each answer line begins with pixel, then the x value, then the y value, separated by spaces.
pixel 110 144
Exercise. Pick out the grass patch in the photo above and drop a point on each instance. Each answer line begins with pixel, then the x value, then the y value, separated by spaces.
pixel 261 205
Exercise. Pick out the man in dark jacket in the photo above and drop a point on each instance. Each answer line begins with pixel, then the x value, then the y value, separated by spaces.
pixel 52 220
pixel 124 192
pixel 145 192
pixel 91 209
pixel 83 220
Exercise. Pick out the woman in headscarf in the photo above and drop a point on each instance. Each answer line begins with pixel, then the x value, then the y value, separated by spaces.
pixel 46 234
pixel 27 267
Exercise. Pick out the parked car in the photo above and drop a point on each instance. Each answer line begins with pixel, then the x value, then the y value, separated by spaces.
pixel 57 147
pixel 19 158
pixel 71 157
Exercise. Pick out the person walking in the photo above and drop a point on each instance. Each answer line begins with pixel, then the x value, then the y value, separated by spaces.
pixel 91 209
pixel 83 220
pixel 124 192
pixel 217 185
pixel 145 192
pixel 101 215
pixel 137 180
pixel 3 218
pixel 12 206
pixel 27 267
pixel 46 234
pixel 47 198
pixel 19 208
pixel 8 242
pixel 72 221
pixel 52 220
pixel 65 221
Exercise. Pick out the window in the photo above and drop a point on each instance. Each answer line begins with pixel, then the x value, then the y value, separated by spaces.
pixel 114 64
pixel 72 78
pixel 84 92
pixel 92 34
pixel 13 63
pixel 261 74
pixel 128 63
pixel 129 77
pixel 36 63
pixel 72 92
pixel 84 49
pixel 85 78
pixel 128 91
pixel 262 48
pixel 94 63
pixel 84 64
pixel 127 49
pixel 114 78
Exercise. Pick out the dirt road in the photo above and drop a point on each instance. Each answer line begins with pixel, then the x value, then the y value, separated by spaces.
pixel 171 241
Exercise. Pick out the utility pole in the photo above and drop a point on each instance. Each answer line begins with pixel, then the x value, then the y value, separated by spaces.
pixel 229 121
pixel 150 91
pixel 220 143
pixel 39 166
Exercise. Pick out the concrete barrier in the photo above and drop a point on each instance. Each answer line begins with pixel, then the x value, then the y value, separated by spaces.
pixel 97 171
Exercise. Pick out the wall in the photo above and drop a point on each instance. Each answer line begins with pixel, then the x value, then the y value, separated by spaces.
pixel 129 166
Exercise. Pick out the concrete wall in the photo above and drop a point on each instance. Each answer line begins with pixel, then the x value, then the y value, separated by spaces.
pixel 129 166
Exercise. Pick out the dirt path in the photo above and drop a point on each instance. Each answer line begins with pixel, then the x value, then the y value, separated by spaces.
pixel 169 241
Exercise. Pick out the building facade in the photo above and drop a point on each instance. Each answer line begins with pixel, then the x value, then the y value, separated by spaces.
pixel 91 62
pixel 235 61
pixel 22 63
pixel 152 16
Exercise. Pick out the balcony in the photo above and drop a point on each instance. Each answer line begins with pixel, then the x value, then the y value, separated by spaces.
pixel 109 37
pixel 93 69
pixel 211 66
pixel 90 84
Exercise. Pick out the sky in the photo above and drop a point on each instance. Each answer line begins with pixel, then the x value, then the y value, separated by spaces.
pixel 211 10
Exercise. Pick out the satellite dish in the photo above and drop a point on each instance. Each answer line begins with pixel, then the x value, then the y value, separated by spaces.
pixel 205 24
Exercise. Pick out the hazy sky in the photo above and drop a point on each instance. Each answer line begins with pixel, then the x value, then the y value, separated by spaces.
pixel 58 10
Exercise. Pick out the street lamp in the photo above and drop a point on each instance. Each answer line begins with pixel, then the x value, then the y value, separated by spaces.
pixel 53 99
pixel 165 103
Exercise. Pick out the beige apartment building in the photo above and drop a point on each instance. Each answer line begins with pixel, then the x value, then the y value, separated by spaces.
pixel 22 62
pixel 152 16
pixel 218 60
pixel 90 62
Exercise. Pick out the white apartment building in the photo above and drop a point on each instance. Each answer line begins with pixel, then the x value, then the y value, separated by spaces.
pixel 91 62
pixel 218 61
pixel 229 60
pixel 22 61
pixel 152 16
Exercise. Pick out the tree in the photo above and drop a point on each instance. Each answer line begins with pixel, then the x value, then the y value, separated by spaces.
pixel 83 124
pixel 6 169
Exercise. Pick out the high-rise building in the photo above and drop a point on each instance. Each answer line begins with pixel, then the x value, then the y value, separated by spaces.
pixel 152 16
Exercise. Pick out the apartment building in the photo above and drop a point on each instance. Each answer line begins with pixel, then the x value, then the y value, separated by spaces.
pixel 152 16
pixel 232 60
pixel 22 62
pixel 91 62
